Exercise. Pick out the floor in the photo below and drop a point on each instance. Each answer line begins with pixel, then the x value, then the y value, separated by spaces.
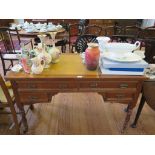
pixel 80 114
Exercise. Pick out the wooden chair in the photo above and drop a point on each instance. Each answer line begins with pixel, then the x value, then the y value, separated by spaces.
pixel 81 42
pixel 7 101
pixel 113 30
pixel 150 50
pixel 74 33
pixel 147 33
pixel 10 46
pixel 116 33
pixel 93 30
pixel 147 97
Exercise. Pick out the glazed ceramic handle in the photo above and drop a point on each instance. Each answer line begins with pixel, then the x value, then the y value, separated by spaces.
pixel 137 44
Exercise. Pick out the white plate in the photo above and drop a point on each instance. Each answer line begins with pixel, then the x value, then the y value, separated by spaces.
pixel 140 53
pixel 123 57
pixel 16 68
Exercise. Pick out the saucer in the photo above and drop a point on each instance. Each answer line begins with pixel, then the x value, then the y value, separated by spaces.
pixel 126 57
pixel 16 68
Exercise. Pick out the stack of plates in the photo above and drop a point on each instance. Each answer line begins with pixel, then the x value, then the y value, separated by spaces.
pixel 122 64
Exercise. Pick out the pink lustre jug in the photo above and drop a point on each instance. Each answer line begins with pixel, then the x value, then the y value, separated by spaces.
pixel 92 55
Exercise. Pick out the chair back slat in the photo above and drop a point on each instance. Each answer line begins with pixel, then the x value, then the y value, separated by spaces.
pixel 9 39
pixel 93 30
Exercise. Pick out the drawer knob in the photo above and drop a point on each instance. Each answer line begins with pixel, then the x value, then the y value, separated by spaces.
pixel 123 85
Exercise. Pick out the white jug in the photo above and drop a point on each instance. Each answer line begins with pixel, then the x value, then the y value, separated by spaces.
pixel 102 43
pixel 37 67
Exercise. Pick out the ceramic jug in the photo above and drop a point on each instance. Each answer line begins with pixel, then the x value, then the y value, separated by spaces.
pixel 92 55
pixel 102 43
pixel 46 57
pixel 37 66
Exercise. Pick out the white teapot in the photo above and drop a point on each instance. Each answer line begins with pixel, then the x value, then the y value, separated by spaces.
pixel 37 66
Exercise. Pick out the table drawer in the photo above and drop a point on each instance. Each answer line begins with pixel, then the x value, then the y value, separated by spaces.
pixel 90 85
pixel 107 84
pixel 120 84
pixel 47 85
pixel 33 97
pixel 111 96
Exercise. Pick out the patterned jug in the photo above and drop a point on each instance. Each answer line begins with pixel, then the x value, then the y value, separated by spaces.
pixel 37 66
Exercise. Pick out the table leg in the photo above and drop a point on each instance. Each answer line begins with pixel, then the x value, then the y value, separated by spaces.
pixel 133 125
pixel 13 111
pixel 32 107
pixel 127 118
pixel 127 108
pixel 24 120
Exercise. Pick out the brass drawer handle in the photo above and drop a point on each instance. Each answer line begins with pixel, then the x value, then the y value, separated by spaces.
pixel 123 85
pixel 93 85
pixel 33 98
pixel 32 86
pixel 62 86
pixel 120 96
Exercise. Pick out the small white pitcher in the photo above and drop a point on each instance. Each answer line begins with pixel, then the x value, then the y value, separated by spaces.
pixel 102 43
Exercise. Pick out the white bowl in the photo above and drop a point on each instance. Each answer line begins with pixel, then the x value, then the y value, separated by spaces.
pixel 121 47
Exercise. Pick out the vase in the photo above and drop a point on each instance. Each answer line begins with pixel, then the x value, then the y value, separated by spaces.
pixel 44 55
pixel 54 51
pixel 92 55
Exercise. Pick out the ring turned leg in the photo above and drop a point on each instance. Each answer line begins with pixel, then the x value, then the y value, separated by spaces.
pixel 14 114
pixel 24 120
pixel 32 107
pixel 127 108
pixel 133 125
pixel 127 118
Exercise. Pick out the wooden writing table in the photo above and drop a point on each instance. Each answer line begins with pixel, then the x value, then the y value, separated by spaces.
pixel 71 75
